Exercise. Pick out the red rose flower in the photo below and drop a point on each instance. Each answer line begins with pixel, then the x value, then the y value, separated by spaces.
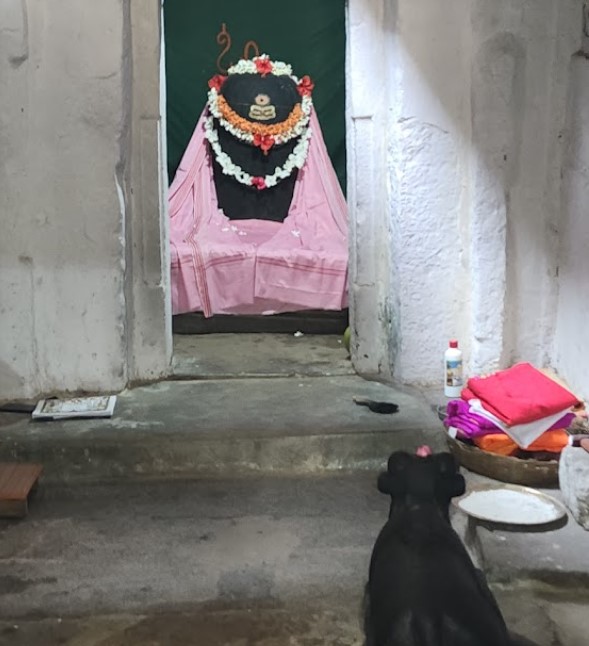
pixel 217 81
pixel 259 183
pixel 265 142
pixel 263 65
pixel 305 86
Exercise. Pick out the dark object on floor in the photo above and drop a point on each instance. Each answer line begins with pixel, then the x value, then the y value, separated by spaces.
pixel 17 483
pixel 423 589
pixel 17 407
pixel 384 408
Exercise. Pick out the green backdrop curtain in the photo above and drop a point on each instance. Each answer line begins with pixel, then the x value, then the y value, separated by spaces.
pixel 308 34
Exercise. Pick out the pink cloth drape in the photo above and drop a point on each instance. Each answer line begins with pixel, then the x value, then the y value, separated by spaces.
pixel 221 266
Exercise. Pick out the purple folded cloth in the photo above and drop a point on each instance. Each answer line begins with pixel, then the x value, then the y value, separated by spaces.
pixel 470 425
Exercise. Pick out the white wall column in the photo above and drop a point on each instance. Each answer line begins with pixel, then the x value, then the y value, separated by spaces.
pixel 371 295
pixel 62 303
pixel 149 316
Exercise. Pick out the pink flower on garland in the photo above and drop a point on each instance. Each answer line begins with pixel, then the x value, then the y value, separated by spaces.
pixel 305 86
pixel 259 183
pixel 265 142
pixel 263 65
pixel 217 81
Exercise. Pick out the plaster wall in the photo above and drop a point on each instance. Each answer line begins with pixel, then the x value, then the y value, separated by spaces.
pixel 84 298
pixel 372 297
pixel 571 344
pixel 475 103
pixel 62 304
pixel 428 161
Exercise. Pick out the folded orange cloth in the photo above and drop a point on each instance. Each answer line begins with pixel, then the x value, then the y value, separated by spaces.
pixel 501 444
pixel 498 443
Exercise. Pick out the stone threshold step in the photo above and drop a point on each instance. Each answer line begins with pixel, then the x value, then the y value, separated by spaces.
pixel 164 455
pixel 229 427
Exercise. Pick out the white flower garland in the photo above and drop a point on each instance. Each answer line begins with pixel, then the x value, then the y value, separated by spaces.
pixel 245 66
pixel 248 137
pixel 295 160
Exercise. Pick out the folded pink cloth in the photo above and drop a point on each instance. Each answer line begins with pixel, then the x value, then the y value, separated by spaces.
pixel 222 266
pixel 519 395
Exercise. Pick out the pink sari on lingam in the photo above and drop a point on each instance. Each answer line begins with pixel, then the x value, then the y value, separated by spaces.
pixel 222 266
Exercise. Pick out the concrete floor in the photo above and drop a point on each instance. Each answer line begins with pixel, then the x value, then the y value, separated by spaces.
pixel 258 561
pixel 276 557
pixel 314 622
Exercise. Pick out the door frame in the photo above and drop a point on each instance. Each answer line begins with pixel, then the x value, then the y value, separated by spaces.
pixel 147 263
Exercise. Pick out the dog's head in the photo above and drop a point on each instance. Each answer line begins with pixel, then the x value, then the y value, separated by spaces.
pixel 424 478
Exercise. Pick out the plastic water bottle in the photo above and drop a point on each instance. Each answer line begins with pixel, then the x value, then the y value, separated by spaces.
pixel 453 380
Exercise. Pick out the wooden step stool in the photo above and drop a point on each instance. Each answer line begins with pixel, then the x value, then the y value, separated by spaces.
pixel 17 482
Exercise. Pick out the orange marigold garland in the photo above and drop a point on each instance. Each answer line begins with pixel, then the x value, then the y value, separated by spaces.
pixel 251 127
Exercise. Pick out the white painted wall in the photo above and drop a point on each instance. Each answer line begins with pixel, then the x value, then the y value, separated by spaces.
pixel 571 344
pixel 372 297
pixel 62 305
pixel 476 103
pixel 428 135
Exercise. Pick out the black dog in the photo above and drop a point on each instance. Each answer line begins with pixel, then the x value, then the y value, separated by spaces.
pixel 423 589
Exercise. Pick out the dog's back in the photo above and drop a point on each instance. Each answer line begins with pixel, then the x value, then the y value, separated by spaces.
pixel 423 589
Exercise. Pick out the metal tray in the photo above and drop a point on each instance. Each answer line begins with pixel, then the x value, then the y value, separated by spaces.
pixel 554 510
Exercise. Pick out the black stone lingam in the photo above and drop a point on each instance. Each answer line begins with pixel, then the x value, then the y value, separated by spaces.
pixel 259 99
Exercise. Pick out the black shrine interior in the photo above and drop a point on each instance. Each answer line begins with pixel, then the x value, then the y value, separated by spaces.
pixel 240 202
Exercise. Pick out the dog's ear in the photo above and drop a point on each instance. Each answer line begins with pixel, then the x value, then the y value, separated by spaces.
pixel 385 483
pixel 450 482
pixel 398 463
pixel 393 481
pixel 453 486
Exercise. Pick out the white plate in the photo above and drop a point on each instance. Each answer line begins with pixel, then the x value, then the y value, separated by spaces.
pixel 511 505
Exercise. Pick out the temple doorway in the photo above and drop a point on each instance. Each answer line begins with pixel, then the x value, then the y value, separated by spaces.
pixel 204 39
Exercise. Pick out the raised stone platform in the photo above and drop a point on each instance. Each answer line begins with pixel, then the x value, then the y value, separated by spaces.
pixel 227 427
